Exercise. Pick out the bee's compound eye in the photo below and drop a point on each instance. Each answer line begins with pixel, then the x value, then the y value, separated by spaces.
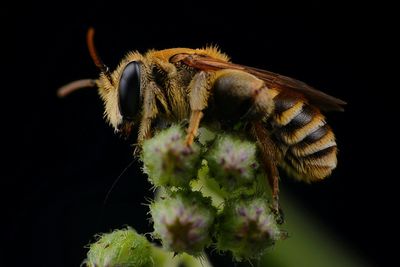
pixel 129 91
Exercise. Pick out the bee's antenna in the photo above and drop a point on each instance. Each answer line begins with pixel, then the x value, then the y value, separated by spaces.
pixel 75 85
pixel 93 53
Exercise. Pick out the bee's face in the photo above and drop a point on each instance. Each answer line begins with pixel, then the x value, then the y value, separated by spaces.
pixel 122 94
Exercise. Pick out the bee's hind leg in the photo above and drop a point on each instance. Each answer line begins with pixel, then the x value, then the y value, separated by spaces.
pixel 269 156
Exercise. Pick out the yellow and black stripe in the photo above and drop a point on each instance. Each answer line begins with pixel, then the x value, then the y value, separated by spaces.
pixel 310 146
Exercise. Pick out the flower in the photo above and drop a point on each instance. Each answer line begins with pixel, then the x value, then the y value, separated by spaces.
pixel 168 161
pixel 183 221
pixel 247 227
pixel 232 162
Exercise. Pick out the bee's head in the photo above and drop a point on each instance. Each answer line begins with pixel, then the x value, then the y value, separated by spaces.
pixel 121 92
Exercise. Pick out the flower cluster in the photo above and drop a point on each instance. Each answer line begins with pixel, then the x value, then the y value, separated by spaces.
pixel 207 195
pixel 185 216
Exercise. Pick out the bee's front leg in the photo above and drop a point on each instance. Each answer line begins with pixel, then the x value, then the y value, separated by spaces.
pixel 149 112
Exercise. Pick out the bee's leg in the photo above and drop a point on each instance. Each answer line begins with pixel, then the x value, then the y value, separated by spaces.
pixel 199 91
pixel 270 158
pixel 194 123
pixel 149 112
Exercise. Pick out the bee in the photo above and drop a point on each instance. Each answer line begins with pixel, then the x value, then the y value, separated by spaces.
pixel 202 86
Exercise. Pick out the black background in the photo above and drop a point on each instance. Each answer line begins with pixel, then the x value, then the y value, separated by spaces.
pixel 61 158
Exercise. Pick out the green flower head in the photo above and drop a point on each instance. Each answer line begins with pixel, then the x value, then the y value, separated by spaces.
pixel 183 221
pixel 120 248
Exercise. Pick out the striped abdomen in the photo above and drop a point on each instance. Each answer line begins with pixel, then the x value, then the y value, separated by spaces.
pixel 309 143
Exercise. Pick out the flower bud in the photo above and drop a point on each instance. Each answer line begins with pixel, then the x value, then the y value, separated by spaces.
pixel 183 221
pixel 168 161
pixel 232 162
pixel 120 248
pixel 247 227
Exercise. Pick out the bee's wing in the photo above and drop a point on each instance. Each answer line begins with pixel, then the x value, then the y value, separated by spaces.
pixel 272 80
pixel 320 99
